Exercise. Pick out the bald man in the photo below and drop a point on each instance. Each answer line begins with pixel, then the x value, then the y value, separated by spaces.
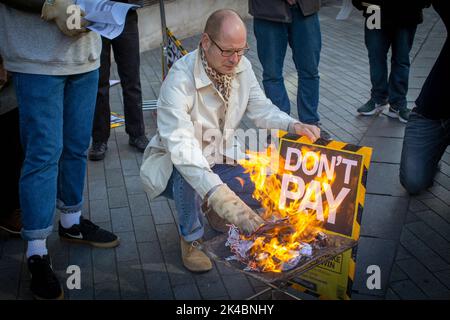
pixel 192 158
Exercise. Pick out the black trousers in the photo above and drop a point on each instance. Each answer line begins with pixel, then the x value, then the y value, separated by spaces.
pixel 12 159
pixel 126 54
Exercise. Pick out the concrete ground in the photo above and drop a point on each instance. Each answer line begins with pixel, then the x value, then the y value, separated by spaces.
pixel 408 237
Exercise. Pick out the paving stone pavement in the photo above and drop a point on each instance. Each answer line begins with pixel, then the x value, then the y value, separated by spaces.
pixel 409 238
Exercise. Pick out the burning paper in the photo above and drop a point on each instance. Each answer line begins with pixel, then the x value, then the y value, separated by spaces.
pixel 274 246
pixel 293 229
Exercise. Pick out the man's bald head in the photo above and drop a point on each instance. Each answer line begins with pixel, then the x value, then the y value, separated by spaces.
pixel 224 32
pixel 222 19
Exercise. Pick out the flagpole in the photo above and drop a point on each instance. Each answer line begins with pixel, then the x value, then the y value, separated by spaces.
pixel 152 104
pixel 164 37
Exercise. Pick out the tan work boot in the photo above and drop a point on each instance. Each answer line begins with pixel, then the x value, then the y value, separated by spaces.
pixel 194 259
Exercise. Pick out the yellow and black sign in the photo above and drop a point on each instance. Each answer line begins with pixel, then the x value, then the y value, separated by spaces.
pixel 175 50
pixel 347 166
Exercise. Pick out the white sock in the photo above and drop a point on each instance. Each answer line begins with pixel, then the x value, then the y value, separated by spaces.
pixel 37 247
pixel 69 219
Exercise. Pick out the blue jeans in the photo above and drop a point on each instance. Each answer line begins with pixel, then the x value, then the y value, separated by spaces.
pixel 424 144
pixel 56 114
pixel 304 37
pixel 188 202
pixel 378 42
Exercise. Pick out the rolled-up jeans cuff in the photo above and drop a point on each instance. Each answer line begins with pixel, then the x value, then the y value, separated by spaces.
pixel 30 235
pixel 197 234
pixel 69 209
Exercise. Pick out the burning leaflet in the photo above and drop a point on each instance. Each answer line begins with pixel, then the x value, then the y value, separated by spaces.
pixel 270 248
pixel 292 231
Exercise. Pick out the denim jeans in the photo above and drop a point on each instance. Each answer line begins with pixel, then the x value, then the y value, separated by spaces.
pixel 56 115
pixel 424 144
pixel 304 37
pixel 188 202
pixel 378 42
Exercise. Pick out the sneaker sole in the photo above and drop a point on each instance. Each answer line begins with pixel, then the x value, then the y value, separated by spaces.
pixel 137 148
pixel 402 120
pixel 15 233
pixel 96 158
pixel 107 245
pixel 374 111
pixel 393 115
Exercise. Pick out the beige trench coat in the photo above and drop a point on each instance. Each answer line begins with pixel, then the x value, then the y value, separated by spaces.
pixel 189 109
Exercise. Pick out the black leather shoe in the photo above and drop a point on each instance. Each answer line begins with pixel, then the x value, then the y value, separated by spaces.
pixel 97 151
pixel 139 143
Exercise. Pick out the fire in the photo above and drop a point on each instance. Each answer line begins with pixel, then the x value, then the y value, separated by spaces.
pixel 290 228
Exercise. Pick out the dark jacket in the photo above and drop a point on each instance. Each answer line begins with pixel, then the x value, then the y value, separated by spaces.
pixel 396 13
pixel 279 11
pixel 433 100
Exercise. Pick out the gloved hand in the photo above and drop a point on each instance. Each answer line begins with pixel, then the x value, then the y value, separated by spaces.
pixel 231 208
pixel 56 10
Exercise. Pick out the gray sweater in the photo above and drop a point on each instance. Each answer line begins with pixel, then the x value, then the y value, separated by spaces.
pixel 30 45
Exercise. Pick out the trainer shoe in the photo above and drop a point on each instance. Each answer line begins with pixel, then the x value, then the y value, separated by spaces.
pixel 402 113
pixel 97 151
pixel 139 143
pixel 370 108
pixel 88 233
pixel 44 284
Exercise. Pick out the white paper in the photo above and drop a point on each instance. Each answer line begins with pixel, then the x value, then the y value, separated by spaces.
pixel 112 83
pixel 345 11
pixel 107 17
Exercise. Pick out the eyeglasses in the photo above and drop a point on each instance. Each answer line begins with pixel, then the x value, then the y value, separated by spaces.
pixel 230 52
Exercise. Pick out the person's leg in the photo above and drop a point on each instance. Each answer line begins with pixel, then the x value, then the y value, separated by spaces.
pixel 306 42
pixel 126 54
pixel 402 42
pixel 188 205
pixel 190 217
pixel 102 116
pixel 377 44
pixel 423 146
pixel 271 43
pixel 40 100
pixel 79 104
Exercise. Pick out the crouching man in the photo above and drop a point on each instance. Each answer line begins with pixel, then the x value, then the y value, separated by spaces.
pixel 210 90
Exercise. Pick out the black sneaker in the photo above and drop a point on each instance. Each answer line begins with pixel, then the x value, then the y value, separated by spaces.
pixel 88 233
pixel 371 107
pixel 402 113
pixel 44 284
pixel 97 151
pixel 139 143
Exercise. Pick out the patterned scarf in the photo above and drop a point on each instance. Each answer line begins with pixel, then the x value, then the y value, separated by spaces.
pixel 222 82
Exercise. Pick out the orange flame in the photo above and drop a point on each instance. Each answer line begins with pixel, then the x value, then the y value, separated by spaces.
pixel 277 246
